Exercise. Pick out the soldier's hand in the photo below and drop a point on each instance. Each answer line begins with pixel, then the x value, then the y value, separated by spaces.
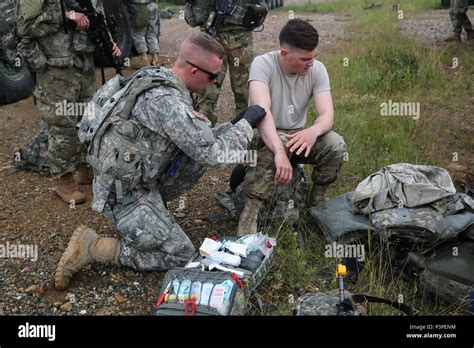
pixel 253 114
pixel 81 20
pixel 283 169
pixel 116 50
pixel 302 141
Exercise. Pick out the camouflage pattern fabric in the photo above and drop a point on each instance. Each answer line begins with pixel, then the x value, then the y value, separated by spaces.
pixel 284 204
pixel 416 225
pixel 458 15
pixel 34 155
pixel 151 238
pixel 145 38
pixel 322 304
pixel 238 45
pixel 182 144
pixel 65 76
pixel 326 157
pixel 55 87
pixel 402 185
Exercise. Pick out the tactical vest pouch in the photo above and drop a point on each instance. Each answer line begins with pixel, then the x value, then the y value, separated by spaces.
pixel 197 12
pixel 255 16
pixel 141 17
pixel 35 58
pixel 246 14
pixel 30 9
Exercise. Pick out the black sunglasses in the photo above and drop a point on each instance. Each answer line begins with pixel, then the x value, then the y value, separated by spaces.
pixel 212 76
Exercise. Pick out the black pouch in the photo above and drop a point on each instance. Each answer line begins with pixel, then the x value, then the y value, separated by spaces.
pixel 254 17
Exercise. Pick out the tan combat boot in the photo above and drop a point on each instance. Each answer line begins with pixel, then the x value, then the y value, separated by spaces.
pixel 154 59
pixel 249 217
pixel 84 247
pixel 140 61
pixel 82 175
pixel 456 37
pixel 470 35
pixel 317 194
pixel 68 191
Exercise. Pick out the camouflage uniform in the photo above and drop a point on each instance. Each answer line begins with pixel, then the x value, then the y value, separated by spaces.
pixel 458 16
pixel 183 144
pixel 64 67
pixel 325 305
pixel 238 44
pixel 145 32
pixel 326 156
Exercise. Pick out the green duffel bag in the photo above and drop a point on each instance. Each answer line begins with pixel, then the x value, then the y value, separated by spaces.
pixel 141 16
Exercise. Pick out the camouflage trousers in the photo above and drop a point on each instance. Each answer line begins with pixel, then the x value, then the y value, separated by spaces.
pixel 145 39
pixel 326 157
pixel 151 237
pixel 62 95
pixel 458 15
pixel 238 45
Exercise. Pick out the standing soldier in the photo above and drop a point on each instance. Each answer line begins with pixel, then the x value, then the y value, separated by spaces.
pixel 145 32
pixel 234 32
pixel 57 49
pixel 460 20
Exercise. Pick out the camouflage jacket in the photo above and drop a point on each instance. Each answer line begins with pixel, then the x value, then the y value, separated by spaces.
pixel 43 40
pixel 402 185
pixel 161 129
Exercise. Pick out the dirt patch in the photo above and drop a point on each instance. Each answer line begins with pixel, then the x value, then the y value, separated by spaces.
pixel 429 27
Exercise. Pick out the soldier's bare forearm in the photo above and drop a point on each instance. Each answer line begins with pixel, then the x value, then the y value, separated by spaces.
pixel 268 132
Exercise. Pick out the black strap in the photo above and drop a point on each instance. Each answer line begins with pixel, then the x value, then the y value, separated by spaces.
pixel 195 101
pixel 348 303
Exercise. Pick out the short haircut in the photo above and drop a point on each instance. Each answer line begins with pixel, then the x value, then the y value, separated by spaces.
pixel 298 33
pixel 202 44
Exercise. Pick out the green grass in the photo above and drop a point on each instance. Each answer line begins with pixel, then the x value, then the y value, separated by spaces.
pixel 355 6
pixel 383 65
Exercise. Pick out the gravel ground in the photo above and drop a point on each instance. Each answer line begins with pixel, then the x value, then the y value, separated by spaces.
pixel 30 214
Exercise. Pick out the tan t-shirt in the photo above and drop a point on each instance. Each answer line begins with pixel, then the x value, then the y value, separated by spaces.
pixel 290 94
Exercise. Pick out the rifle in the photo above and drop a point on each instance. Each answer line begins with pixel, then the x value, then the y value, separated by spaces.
pixel 99 33
pixel 223 8
pixel 63 15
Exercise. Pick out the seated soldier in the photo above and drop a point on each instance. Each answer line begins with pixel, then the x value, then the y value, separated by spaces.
pixel 283 82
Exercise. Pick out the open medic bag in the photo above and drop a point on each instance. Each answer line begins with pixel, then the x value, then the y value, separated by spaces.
pixel 206 287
